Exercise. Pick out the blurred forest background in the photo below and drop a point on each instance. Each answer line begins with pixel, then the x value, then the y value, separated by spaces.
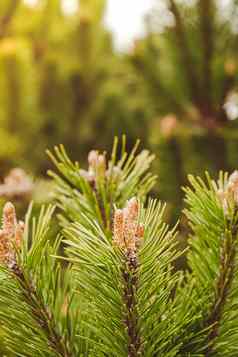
pixel 63 81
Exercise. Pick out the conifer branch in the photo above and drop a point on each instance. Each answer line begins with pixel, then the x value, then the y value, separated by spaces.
pixel 120 295
pixel 223 284
pixel 185 54
pixel 156 86
pixel 127 235
pixel 127 282
pixel 213 257
pixel 104 184
pixel 228 196
pixel 32 289
pixel 130 282
pixel 42 314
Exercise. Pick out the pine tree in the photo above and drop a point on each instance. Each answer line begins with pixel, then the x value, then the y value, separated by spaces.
pixel 107 284
pixel 188 65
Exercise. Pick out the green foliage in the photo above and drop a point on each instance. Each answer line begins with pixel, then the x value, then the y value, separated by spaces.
pixel 212 259
pixel 35 295
pixel 124 176
pixel 18 97
pixel 62 81
pixel 113 290
pixel 188 67
pixel 96 262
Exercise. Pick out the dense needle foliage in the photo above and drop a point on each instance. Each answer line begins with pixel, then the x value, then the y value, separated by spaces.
pixel 107 286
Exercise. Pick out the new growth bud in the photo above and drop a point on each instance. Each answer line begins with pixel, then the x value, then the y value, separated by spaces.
pixel 232 186
pixel 127 232
pixel 92 160
pixel 118 228
pixel 11 235
pixel 229 194
pixel 101 166
pixel 9 218
pixel 96 166
pixel 100 169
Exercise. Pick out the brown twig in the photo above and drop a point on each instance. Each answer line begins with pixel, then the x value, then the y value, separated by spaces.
pixel 130 280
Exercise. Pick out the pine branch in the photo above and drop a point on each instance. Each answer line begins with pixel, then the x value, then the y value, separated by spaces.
pixel 223 285
pixel 119 294
pixel 213 258
pixel 130 283
pixel 42 314
pixel 34 289
pixel 152 78
pixel 183 48
pixel 103 185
